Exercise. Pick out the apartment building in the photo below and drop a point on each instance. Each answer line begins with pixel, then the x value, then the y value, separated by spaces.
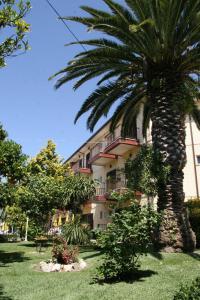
pixel 103 155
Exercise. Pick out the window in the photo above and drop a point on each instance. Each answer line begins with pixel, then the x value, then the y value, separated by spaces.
pixel 198 159
pixel 80 163
pixel 101 215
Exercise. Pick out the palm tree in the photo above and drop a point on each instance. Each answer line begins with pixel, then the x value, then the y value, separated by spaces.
pixel 150 57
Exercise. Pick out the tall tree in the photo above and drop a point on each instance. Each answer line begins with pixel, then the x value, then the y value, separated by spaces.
pixel 13 169
pixel 13 27
pixel 51 184
pixel 48 162
pixel 152 58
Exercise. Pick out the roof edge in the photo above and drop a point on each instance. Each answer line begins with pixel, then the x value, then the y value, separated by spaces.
pixel 88 140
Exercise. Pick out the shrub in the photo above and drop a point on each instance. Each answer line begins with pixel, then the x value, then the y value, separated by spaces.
pixel 126 238
pixel 95 233
pixel 62 253
pixel 3 238
pixel 34 230
pixel 194 214
pixel 189 292
pixel 75 232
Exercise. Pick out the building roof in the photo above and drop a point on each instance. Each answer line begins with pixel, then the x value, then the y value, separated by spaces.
pixel 90 138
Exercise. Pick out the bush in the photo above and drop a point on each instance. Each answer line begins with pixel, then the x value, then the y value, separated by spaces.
pixel 128 236
pixel 194 214
pixel 5 238
pixel 189 292
pixel 62 253
pixel 95 233
pixel 34 230
pixel 75 232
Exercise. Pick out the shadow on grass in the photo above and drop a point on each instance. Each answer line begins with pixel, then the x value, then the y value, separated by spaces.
pixel 139 275
pixel 29 245
pixel 194 255
pixel 157 255
pixel 92 255
pixel 3 296
pixel 7 258
pixel 87 249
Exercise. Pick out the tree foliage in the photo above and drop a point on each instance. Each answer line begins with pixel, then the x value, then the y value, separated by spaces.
pixel 193 206
pixel 145 172
pixel 12 161
pixel 7 194
pixel 145 42
pixel 39 195
pixel 48 162
pixel 13 164
pixel 13 27
pixel 127 238
pixel 51 184
pixel 189 291
pixel 15 217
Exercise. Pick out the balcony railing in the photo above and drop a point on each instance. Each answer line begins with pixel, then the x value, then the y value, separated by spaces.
pixel 113 136
pixel 77 167
pixel 109 186
pixel 100 147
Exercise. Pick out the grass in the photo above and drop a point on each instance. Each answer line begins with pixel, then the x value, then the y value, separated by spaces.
pixel 160 277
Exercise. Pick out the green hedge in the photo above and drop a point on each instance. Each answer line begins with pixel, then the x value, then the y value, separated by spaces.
pixel 189 292
pixel 4 238
pixel 194 213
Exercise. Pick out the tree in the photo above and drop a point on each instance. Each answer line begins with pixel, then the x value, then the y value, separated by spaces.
pixel 145 171
pixel 12 168
pixel 14 27
pixel 79 189
pixel 48 162
pixel 39 196
pixel 151 60
pixel 12 161
pixel 50 184
pixel 15 217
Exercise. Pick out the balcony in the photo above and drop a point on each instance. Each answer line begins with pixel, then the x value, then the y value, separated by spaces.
pixel 104 189
pixel 100 193
pixel 79 169
pixel 115 144
pixel 99 157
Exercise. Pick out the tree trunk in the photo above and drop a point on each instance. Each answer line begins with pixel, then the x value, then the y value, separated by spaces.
pixel 168 137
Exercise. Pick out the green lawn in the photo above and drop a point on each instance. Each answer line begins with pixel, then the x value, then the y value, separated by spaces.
pixel 160 277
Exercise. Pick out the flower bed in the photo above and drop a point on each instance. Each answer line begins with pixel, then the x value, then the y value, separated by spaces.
pixel 51 266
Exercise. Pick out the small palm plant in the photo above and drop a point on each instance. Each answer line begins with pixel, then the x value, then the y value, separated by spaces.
pixel 75 232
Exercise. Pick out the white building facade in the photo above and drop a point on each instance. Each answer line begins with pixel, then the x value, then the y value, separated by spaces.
pixel 102 157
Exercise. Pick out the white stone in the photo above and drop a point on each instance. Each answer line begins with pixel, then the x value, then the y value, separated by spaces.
pixel 82 264
pixel 75 267
pixel 46 267
pixel 56 268
pixel 68 268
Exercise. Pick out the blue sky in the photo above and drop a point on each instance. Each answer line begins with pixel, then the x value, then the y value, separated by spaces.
pixel 31 110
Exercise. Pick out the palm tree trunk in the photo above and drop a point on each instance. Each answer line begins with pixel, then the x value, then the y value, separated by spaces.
pixel 168 137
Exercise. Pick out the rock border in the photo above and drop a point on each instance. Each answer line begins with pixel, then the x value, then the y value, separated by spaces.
pixel 50 266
